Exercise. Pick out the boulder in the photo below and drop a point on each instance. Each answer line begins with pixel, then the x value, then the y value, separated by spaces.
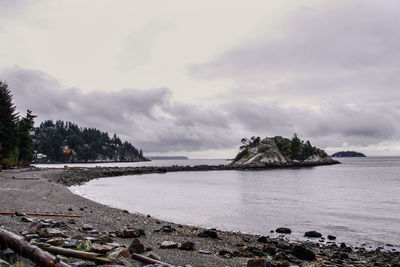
pixel 118 253
pixel 283 230
pixel 313 234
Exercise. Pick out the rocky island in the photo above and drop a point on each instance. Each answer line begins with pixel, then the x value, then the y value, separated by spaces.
pixel 348 154
pixel 280 151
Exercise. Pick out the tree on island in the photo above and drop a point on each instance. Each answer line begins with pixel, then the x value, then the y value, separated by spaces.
pixel 16 147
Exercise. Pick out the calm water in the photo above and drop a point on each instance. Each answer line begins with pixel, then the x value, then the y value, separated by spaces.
pixel 357 201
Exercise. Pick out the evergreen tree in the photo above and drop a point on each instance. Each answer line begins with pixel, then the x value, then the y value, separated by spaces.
pixel 295 147
pixel 8 127
pixel 25 146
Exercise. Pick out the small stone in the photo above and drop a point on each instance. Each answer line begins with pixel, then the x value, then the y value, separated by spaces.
pixel 313 234
pixel 203 251
pixel 167 229
pixel 51 233
pixel 302 253
pixel 168 245
pixel 263 239
pixel 283 230
pixel 37 226
pixel 105 239
pixel 331 237
pixel 19 214
pixel 26 219
pixel 101 249
pixel 87 227
pixel 73 243
pixel 29 237
pixel 225 253
pixel 187 246
pixel 118 253
pixel 136 246
pixel 70 209
pixel 256 262
pixel 208 233
pixel 125 211
pixel 56 241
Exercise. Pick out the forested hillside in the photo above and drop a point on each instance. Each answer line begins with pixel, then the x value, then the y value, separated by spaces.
pixel 67 142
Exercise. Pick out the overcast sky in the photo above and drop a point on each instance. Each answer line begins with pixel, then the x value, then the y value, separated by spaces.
pixel 194 77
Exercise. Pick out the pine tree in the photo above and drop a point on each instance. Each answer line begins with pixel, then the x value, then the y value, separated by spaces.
pixel 25 146
pixel 8 126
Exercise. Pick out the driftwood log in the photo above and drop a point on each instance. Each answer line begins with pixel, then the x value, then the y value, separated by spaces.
pixel 29 251
pixel 148 260
pixel 74 253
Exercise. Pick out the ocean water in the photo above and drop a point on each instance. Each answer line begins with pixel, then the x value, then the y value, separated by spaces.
pixel 358 201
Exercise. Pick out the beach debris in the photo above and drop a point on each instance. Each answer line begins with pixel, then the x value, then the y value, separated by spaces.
pixel 136 246
pixel 27 250
pixel 283 230
pixel 149 260
pixel 313 234
pixel 168 244
pixel 91 256
pixel 38 214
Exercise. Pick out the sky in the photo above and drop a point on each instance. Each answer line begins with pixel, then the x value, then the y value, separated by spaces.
pixel 195 77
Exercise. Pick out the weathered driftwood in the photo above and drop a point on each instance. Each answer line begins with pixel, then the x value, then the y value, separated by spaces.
pixel 27 250
pixel 42 214
pixel 74 253
pixel 148 260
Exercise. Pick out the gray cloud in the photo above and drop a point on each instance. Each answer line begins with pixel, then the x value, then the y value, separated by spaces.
pixel 150 120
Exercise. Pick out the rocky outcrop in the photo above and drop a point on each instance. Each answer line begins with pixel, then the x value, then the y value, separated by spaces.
pixel 272 151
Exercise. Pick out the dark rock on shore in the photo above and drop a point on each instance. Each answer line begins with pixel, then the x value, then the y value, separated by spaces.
pixel 302 253
pixel 313 234
pixel 208 233
pixel 283 230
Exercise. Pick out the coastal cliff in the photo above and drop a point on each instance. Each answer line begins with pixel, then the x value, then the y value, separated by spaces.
pixel 280 151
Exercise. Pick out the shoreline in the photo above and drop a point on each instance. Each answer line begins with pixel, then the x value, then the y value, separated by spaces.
pixel 49 194
pixel 81 175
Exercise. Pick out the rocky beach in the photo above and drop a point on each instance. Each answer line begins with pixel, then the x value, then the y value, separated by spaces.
pixel 114 233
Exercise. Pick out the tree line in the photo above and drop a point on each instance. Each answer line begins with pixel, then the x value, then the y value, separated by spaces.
pixel 16 147
pixel 67 142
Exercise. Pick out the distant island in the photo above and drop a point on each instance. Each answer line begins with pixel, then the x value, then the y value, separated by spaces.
pixel 66 142
pixel 273 151
pixel 167 157
pixel 348 154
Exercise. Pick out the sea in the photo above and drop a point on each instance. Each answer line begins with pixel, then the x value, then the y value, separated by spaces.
pixel 357 201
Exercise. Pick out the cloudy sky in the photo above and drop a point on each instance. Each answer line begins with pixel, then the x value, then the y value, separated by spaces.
pixel 194 77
